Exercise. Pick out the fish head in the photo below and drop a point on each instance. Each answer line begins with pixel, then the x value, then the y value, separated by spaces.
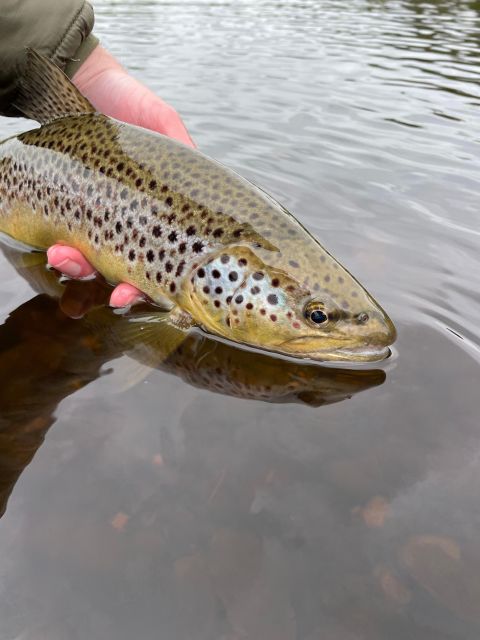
pixel 306 306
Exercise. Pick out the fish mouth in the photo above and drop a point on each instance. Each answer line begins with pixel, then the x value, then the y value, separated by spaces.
pixel 303 348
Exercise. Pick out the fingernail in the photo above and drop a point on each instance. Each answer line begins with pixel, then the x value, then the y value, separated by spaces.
pixel 69 267
pixel 122 300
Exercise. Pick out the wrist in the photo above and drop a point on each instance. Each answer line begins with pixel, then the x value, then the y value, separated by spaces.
pixel 94 68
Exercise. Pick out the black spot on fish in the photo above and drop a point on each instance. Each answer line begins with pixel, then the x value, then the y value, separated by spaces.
pixel 150 255
pixel 197 247
pixel 258 275
pixel 158 277
pixel 131 255
pixel 272 299
pixel 172 236
pixel 216 273
pixel 239 299
pixel 224 258
pixel 173 286
pixel 157 231
pixel 191 230
pixel 233 276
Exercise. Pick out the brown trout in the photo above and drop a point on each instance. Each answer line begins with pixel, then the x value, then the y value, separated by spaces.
pixel 209 247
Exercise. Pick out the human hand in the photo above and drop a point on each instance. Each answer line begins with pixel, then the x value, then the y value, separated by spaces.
pixel 72 263
pixel 114 92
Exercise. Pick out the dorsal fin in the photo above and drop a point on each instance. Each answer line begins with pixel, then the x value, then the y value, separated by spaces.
pixel 45 93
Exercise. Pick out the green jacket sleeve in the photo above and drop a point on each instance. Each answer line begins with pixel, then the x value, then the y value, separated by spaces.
pixel 59 29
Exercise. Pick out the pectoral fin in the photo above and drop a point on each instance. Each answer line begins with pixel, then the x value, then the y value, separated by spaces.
pixel 150 339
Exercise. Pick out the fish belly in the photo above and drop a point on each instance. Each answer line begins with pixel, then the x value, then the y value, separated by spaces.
pixel 22 223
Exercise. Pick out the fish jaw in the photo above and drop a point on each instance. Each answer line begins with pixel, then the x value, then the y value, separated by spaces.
pixel 334 353
pixel 344 346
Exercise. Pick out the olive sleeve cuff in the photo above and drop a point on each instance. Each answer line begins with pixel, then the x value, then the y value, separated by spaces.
pixel 82 53
pixel 57 29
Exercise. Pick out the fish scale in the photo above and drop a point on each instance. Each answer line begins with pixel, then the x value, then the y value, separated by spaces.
pixel 147 210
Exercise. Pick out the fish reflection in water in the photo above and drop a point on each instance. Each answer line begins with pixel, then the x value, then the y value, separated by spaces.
pixel 45 355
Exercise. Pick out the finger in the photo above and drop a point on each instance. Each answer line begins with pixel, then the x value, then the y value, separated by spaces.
pixel 69 261
pixel 160 116
pixel 124 295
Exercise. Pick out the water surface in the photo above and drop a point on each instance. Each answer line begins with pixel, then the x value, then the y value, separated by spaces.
pixel 222 496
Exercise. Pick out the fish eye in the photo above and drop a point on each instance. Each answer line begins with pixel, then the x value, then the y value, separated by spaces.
pixel 318 317
pixel 314 313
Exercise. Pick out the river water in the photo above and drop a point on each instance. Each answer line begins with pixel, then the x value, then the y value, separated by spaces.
pixel 224 495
